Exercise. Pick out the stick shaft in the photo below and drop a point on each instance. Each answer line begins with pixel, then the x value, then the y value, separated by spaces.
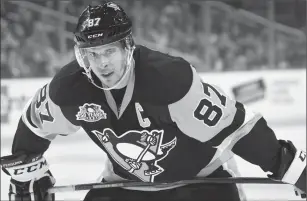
pixel 89 186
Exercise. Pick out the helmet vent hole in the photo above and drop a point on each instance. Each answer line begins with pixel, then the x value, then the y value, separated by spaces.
pixel 80 39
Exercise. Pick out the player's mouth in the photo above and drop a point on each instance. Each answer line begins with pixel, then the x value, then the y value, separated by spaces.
pixel 106 75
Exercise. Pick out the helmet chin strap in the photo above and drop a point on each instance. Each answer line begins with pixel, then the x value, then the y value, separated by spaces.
pixel 127 70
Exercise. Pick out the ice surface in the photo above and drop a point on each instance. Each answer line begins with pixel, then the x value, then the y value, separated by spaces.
pixel 76 159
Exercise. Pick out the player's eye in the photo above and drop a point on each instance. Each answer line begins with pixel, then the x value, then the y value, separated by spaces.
pixel 92 54
pixel 109 52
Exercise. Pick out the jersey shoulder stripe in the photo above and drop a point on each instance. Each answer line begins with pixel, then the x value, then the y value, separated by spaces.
pixel 204 111
pixel 45 118
pixel 44 114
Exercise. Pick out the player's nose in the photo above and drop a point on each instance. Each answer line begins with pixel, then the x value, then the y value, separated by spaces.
pixel 103 66
pixel 104 63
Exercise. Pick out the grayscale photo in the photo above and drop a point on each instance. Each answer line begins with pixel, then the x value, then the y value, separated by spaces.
pixel 156 100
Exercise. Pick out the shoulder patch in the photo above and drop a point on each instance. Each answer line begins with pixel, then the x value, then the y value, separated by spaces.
pixel 91 112
pixel 161 79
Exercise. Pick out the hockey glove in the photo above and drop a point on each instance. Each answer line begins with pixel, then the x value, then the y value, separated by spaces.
pixel 30 177
pixel 292 169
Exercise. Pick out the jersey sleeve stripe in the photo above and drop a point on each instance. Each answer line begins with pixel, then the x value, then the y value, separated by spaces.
pixel 27 141
pixel 26 121
pixel 238 120
pixel 269 147
pixel 30 124
pixel 45 128
pixel 28 116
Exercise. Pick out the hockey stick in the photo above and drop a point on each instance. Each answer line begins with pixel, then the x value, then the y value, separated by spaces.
pixel 89 186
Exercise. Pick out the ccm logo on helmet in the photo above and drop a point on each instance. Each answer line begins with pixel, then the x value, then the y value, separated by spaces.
pixel 95 35
pixel 31 168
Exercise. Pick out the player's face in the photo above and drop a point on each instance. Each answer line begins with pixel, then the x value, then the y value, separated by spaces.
pixel 107 62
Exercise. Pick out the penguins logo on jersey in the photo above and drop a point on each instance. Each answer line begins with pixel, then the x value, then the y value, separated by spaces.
pixel 91 112
pixel 137 151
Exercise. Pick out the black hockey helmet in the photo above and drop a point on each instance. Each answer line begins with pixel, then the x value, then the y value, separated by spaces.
pixel 102 24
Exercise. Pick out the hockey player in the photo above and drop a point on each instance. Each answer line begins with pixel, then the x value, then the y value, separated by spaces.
pixel 152 115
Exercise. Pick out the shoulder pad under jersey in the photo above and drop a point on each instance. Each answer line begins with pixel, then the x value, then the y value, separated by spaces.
pixel 67 85
pixel 160 78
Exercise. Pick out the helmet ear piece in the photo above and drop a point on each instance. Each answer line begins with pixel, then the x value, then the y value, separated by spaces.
pixel 129 42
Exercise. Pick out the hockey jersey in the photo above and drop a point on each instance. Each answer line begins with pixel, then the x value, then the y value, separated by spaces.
pixel 170 124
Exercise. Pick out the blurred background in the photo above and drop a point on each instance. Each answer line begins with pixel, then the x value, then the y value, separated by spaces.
pixel 255 50
pixel 229 35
